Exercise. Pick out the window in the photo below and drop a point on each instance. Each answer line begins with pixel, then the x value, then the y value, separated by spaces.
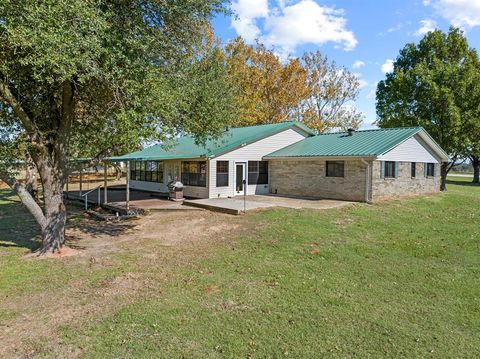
pixel 414 169
pixel 222 173
pixel 390 169
pixel 335 169
pixel 132 170
pixel 194 173
pixel 257 172
pixel 160 172
pixel 430 172
pixel 138 166
pixel 150 171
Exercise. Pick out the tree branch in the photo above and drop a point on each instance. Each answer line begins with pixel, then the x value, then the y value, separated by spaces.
pixel 26 199
pixel 7 96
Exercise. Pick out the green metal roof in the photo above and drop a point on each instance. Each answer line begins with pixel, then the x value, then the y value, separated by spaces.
pixel 365 143
pixel 233 138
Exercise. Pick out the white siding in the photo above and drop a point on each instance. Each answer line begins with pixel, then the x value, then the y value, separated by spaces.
pixel 252 152
pixel 412 150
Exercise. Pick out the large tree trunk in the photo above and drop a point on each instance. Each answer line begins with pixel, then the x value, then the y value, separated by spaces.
pixel 54 209
pixel 52 219
pixel 49 151
pixel 31 184
pixel 445 168
pixel 476 169
pixel 56 218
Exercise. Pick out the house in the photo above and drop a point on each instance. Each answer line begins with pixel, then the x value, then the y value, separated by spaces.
pixel 290 159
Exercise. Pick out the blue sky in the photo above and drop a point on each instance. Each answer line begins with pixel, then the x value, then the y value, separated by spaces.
pixel 364 36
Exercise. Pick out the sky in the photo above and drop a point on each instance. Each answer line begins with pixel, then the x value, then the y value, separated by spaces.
pixel 364 36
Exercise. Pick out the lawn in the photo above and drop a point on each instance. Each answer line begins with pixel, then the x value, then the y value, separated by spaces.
pixel 396 279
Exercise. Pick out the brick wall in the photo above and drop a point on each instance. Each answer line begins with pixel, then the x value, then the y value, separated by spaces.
pixel 404 184
pixel 308 178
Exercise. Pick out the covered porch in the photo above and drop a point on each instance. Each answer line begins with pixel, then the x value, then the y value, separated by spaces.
pixel 101 187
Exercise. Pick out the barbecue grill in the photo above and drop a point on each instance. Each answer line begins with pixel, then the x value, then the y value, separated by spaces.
pixel 175 190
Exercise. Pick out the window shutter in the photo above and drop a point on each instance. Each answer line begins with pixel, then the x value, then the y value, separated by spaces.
pixel 435 166
pixel 396 169
pixel 425 169
pixel 382 169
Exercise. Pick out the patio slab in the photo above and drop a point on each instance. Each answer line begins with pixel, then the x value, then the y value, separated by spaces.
pixel 227 205
pixel 236 205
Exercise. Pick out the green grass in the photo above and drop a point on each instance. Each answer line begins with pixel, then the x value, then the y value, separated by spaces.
pixel 397 279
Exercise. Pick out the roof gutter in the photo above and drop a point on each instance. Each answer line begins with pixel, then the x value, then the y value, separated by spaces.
pixel 311 158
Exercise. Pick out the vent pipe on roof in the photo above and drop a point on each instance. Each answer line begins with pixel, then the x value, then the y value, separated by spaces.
pixel 351 131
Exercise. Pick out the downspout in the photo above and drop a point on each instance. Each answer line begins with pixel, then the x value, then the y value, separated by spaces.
pixel 367 181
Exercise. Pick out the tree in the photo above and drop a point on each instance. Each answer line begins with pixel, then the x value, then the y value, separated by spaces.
pixel 435 84
pixel 331 93
pixel 473 149
pixel 309 89
pixel 92 78
pixel 475 158
pixel 268 90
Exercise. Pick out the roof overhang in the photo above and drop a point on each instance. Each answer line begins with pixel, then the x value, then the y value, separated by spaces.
pixel 155 158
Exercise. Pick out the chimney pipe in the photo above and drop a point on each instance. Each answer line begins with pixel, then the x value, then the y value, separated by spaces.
pixel 351 131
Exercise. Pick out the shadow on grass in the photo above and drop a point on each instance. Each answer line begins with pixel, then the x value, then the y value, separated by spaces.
pixel 463 183
pixel 19 229
pixel 86 228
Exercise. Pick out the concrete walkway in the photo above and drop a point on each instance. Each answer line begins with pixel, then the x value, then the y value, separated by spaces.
pixel 236 205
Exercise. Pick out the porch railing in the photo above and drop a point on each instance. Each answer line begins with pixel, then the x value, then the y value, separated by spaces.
pixel 85 195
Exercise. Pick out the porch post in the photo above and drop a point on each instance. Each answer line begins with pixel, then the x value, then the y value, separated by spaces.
pixel 80 181
pixel 105 183
pixel 128 187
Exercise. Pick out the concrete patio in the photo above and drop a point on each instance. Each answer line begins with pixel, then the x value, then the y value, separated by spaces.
pixel 237 205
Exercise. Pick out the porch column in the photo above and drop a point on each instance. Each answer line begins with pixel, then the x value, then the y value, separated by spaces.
pixel 81 181
pixel 128 187
pixel 105 182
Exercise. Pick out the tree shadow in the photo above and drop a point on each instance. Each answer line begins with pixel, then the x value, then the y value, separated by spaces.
pixel 19 229
pixel 463 183
pixel 88 228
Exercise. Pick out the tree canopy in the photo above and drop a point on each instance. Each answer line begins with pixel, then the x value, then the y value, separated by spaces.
pixel 435 84
pixel 310 89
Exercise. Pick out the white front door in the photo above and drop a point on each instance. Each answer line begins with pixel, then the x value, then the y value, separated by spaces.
pixel 240 179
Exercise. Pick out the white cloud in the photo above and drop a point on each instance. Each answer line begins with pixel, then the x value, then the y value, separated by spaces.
pixel 387 66
pixel 460 13
pixel 426 26
pixel 247 12
pixel 372 94
pixel 363 83
pixel 357 64
pixel 291 24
